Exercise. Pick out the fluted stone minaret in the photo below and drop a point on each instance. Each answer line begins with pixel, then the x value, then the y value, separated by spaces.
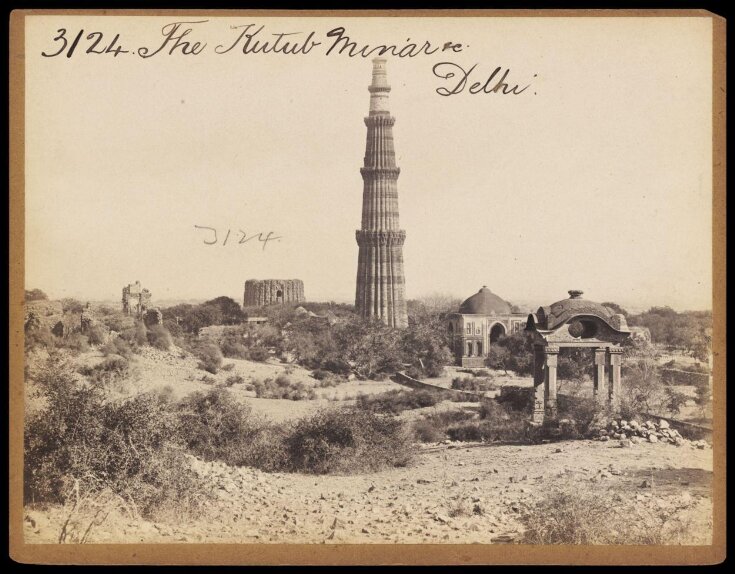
pixel 380 278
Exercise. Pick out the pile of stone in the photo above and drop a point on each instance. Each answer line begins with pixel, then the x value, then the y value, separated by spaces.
pixel 633 432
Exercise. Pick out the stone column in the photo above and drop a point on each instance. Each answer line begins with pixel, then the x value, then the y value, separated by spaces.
pixel 600 383
pixel 538 384
pixel 551 355
pixel 614 355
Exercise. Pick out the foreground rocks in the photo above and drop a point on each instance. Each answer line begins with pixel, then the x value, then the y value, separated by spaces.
pixel 632 432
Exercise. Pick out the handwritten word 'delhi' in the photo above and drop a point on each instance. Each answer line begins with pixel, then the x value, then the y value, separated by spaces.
pixel 264 238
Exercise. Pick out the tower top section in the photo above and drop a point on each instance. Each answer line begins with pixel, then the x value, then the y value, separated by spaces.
pixel 379 88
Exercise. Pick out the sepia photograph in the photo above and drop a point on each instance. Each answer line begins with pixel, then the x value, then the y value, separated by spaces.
pixel 387 280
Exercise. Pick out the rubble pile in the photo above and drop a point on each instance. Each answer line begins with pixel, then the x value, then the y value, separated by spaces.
pixel 633 432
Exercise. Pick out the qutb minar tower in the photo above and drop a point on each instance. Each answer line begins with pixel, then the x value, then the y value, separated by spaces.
pixel 380 278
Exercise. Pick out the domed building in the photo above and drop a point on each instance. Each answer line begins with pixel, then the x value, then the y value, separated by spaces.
pixel 479 322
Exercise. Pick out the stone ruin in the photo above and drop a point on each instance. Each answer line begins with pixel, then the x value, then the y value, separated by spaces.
pixel 135 299
pixel 259 293
pixel 86 319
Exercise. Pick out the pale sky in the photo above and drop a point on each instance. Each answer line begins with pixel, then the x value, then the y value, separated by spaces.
pixel 597 177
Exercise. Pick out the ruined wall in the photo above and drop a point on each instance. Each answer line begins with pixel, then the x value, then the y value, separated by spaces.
pixel 135 299
pixel 273 292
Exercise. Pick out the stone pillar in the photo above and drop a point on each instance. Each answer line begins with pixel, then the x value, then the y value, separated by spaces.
pixel 551 355
pixel 538 384
pixel 600 383
pixel 614 355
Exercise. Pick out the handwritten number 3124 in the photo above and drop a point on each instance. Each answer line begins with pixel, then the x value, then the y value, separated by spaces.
pixel 94 37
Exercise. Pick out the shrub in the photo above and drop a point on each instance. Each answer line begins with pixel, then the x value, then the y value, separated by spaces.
pixel 140 334
pixel 346 441
pixel 397 401
pixel 173 327
pixel 118 346
pixel 498 422
pixel 473 384
pixel 219 428
pixel 228 367
pixel 583 415
pixel 703 393
pixel 233 349
pixel 75 342
pixel 115 320
pixel 433 427
pixel 130 447
pixel 337 366
pixel 159 337
pixel 216 427
pixel 429 430
pixel 96 334
pixel 210 357
pixel 470 431
pixel 214 423
pixel 517 398
pixel 259 354
pixel 320 374
pixel 111 369
pixel 234 380
pixel 415 372
pixel 594 517
pixel 39 337
pixel 330 381
pixel 282 388
pixel 325 378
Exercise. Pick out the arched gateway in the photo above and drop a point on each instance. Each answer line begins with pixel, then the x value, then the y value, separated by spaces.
pixel 576 322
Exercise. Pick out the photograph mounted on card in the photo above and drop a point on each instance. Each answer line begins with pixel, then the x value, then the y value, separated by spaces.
pixel 367 287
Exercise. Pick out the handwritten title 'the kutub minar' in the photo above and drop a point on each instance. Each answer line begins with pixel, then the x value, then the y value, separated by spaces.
pixel 380 277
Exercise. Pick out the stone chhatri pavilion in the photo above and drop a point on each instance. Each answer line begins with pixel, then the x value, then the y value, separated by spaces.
pixel 576 322
pixel 479 322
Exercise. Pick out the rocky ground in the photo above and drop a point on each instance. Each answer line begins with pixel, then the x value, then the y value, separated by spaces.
pixel 452 493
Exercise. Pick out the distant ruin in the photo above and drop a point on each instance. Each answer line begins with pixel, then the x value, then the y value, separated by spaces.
pixel 259 293
pixel 135 299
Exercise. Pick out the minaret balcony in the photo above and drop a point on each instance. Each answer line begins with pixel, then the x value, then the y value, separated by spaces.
pixel 374 238
pixel 380 119
pixel 376 173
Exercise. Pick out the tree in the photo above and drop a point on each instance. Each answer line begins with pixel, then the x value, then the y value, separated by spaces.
pixel 425 347
pixel 230 309
pixel 617 308
pixel 498 358
pixel 438 304
pixel 198 316
pixel 70 305
pixel 35 295
pixel 703 398
pixel 518 354
pixel 372 347
pixel 674 400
